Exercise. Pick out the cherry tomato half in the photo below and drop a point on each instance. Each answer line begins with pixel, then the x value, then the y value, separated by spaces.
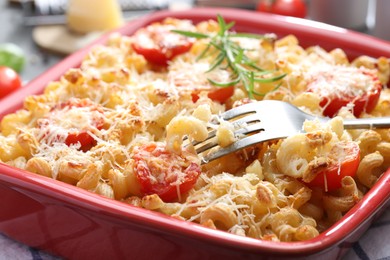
pixel 296 8
pixel 9 81
pixel 164 173
pixel 330 178
pixel 71 121
pixel 340 86
pixel 218 94
pixel 159 45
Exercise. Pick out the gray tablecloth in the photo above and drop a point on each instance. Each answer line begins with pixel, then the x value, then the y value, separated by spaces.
pixel 373 245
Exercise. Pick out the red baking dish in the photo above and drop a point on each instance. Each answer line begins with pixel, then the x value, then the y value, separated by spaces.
pixel 76 224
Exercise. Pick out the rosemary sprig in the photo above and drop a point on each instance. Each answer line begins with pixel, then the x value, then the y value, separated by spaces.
pixel 232 55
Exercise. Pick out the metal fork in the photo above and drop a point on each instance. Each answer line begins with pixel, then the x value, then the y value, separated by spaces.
pixel 269 120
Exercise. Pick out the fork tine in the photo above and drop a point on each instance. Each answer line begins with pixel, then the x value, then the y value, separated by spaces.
pixel 239 111
pixel 249 131
pixel 258 127
pixel 239 145
pixel 239 123
pixel 206 146
pixel 246 119
pixel 211 135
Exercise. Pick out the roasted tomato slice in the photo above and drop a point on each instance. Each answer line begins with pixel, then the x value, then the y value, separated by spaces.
pixel 158 44
pixel 195 79
pixel 70 122
pixel 165 173
pixel 346 159
pixel 218 94
pixel 339 86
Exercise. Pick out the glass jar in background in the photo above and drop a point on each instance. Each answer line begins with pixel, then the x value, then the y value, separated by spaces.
pixel 382 21
pixel 84 16
pixel 351 14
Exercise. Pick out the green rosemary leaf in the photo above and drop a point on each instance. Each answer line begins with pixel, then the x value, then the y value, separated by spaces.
pixel 262 73
pixel 254 66
pixel 203 53
pixel 251 84
pixel 225 84
pixel 218 61
pixel 229 55
pixel 217 46
pixel 229 26
pixel 244 59
pixel 247 35
pixel 222 25
pixel 269 80
pixel 191 34
pixel 239 56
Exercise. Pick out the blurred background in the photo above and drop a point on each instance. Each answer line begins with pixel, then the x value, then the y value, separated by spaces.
pixel 45 31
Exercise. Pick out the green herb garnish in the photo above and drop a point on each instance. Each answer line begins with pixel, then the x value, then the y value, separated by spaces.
pixel 229 54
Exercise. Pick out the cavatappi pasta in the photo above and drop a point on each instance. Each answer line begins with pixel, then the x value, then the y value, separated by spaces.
pixel 115 126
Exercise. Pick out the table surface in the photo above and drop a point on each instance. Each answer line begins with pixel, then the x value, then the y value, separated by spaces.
pixel 373 245
pixel 14 31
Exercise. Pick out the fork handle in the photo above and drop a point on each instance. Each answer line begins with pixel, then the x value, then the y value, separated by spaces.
pixel 367 123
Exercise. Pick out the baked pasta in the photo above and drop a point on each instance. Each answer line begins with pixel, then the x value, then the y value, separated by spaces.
pixel 115 126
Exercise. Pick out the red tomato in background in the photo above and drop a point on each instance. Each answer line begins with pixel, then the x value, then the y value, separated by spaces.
pixel 340 86
pixel 159 45
pixel 164 173
pixel 296 8
pixel 9 81
pixel 330 178
pixel 72 120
